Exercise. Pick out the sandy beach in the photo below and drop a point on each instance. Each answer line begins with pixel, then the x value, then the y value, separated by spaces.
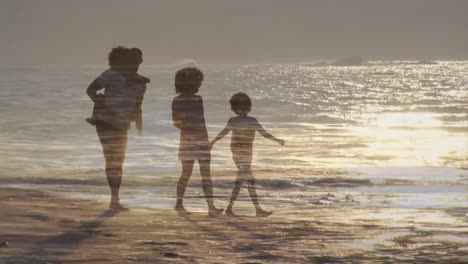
pixel 320 223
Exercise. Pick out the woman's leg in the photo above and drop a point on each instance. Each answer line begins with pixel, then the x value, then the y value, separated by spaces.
pixel 114 179
pixel 119 159
pixel 207 185
pixel 187 167
pixel 114 145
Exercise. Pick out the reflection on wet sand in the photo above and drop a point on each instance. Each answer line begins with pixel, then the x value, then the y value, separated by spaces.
pixel 392 214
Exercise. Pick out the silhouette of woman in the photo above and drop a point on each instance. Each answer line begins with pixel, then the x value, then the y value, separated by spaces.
pixel 115 110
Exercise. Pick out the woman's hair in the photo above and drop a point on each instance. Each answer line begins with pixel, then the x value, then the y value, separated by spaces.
pixel 118 56
pixel 188 80
pixel 240 103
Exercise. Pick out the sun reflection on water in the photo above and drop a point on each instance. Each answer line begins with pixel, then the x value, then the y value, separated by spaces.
pixel 410 139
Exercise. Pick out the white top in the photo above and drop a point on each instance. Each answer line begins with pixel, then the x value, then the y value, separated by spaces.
pixel 121 95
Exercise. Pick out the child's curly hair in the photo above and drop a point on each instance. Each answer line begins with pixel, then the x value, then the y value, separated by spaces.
pixel 240 103
pixel 188 80
pixel 135 56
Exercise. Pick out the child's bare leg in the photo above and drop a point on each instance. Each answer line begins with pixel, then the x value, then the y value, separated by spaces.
pixel 207 185
pixel 235 193
pixel 253 193
pixel 187 167
pixel 253 196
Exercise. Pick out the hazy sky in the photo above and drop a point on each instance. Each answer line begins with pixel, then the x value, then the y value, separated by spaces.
pixel 233 31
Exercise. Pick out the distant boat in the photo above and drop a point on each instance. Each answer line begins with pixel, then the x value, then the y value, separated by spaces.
pixel 349 61
pixel 346 61
pixel 424 62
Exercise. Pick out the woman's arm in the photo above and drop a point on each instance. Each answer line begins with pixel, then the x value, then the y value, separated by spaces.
pixel 92 91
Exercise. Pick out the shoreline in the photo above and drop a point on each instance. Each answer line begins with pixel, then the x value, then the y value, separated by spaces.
pixel 324 226
pixel 374 174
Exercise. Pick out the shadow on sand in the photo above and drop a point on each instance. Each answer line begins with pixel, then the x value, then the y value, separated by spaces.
pixel 63 244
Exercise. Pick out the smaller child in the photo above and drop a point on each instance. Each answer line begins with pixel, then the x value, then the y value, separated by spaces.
pixel 137 83
pixel 243 133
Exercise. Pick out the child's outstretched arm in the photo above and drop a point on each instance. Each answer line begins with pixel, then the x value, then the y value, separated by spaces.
pixel 221 134
pixel 139 112
pixel 139 118
pixel 267 135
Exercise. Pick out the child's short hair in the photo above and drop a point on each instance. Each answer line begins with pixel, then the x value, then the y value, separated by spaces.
pixel 188 80
pixel 118 56
pixel 240 103
pixel 136 56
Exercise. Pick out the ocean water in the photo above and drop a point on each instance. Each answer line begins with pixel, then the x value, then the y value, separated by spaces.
pixel 383 115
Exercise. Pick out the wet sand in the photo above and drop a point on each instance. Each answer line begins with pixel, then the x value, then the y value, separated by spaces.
pixel 324 227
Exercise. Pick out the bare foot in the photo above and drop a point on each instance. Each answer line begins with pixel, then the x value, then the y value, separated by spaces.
pixel 118 207
pixel 214 212
pixel 91 120
pixel 262 213
pixel 181 210
pixel 231 214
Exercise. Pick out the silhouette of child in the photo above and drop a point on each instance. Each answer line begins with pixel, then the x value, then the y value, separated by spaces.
pixel 137 84
pixel 188 115
pixel 243 133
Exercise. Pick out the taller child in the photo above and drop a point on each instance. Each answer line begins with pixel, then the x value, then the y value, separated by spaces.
pixel 188 116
